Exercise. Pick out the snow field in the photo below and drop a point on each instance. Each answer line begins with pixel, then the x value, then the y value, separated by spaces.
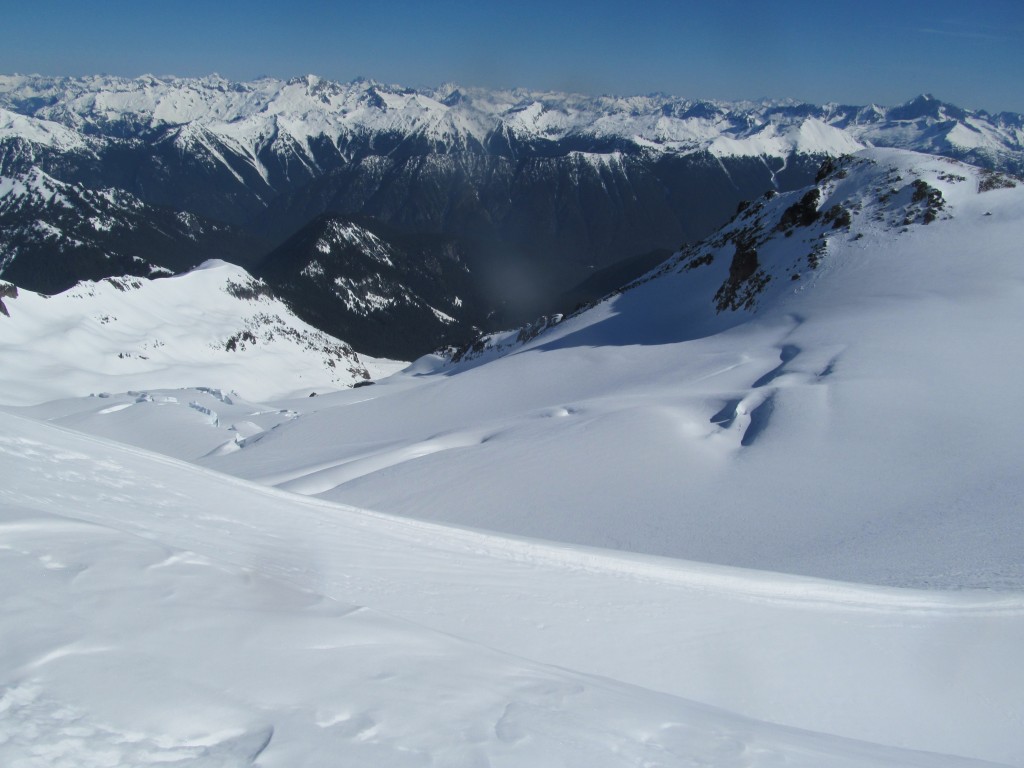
pixel 853 427
pixel 164 607
pixel 182 331
pixel 846 429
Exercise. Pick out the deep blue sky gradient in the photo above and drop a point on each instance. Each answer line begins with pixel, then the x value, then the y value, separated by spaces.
pixel 969 53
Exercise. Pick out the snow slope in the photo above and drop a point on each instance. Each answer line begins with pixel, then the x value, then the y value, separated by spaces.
pixel 167 614
pixel 846 424
pixel 215 326
pixel 823 390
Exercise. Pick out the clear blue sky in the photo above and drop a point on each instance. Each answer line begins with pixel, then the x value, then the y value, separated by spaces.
pixel 859 51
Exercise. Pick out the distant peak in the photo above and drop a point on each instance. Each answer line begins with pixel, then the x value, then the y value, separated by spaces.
pixel 926 105
pixel 366 83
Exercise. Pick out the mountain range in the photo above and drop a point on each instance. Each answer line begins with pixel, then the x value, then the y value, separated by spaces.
pixel 514 196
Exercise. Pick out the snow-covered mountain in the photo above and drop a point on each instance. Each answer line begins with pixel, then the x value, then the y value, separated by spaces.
pixel 821 391
pixel 809 390
pixel 290 117
pixel 822 388
pixel 798 229
pixel 215 326
pixel 385 292
pixel 539 189
pixel 54 234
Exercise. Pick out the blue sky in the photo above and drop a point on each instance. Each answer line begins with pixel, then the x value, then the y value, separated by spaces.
pixel 854 52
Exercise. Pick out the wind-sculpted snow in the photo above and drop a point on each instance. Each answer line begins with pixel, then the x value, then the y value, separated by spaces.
pixel 168 614
pixel 808 391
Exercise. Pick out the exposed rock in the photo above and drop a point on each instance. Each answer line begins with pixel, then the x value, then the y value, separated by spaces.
pixel 745 281
pixel 7 291
pixel 991 180
pixel 802 213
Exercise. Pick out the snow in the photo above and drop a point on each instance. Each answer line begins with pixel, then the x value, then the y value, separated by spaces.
pixel 860 394
pixel 844 430
pixel 43 132
pixel 346 232
pixel 444 318
pixel 34 184
pixel 191 135
pixel 294 113
pixel 359 296
pixel 971 134
pixel 812 137
pixel 165 613
pixel 652 534
pixel 133 333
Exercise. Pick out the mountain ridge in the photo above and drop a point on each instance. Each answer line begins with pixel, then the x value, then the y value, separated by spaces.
pixel 215 326
pixel 275 128
pixel 54 234
pixel 356 278
pixel 538 190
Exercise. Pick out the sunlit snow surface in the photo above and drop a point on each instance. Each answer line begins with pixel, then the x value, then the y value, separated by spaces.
pixel 165 614
pixel 213 326
pixel 859 425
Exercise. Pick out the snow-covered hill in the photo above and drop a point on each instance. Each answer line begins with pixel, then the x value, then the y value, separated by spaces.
pixel 156 613
pixel 825 388
pixel 216 327
pixel 812 390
